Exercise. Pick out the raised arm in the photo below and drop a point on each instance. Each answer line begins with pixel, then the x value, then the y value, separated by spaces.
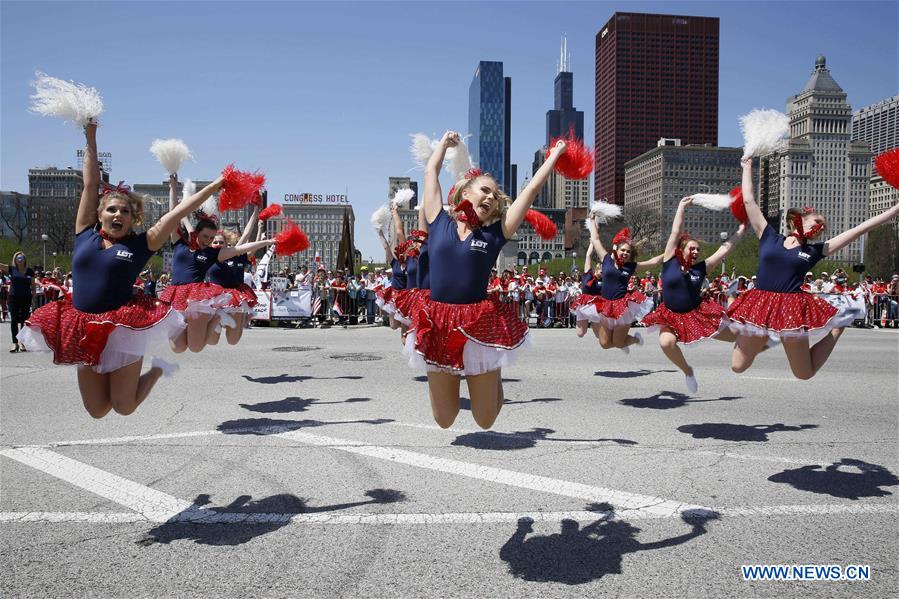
pixel 650 264
pixel 595 241
pixel 248 230
pixel 386 245
pixel 173 201
pixel 244 248
pixel 87 207
pixel 588 259
pixel 433 196
pixel 715 259
pixel 514 215
pixel 837 243
pixel 756 218
pixel 677 228
pixel 398 229
pixel 166 225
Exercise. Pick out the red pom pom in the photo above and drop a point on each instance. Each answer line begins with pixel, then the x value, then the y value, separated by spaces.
pixel 291 240
pixel 888 167
pixel 542 224
pixel 240 188
pixel 267 213
pixel 737 208
pixel 622 235
pixel 577 160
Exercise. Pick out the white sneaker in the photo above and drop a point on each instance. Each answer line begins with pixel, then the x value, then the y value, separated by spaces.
pixel 692 385
pixel 168 368
pixel 639 338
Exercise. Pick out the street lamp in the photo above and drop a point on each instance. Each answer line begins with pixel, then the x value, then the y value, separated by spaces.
pixel 44 238
pixel 724 236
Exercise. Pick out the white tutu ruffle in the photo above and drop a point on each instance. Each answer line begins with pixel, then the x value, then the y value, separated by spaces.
pixel 478 358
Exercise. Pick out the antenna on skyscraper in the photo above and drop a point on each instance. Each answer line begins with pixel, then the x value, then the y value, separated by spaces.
pixel 564 57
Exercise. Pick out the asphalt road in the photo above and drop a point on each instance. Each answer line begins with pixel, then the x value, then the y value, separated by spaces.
pixel 319 472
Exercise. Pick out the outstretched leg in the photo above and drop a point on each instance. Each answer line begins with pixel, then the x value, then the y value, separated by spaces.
pixel 94 391
pixel 443 390
pixel 233 334
pixel 197 331
pixel 668 343
pixel 128 388
pixel 822 349
pixel 605 337
pixel 622 338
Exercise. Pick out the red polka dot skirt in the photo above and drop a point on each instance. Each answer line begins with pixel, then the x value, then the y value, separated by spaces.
pixel 702 322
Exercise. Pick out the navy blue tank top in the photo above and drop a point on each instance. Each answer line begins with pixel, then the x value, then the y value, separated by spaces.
pixel 21 282
pixel 680 290
pixel 104 278
pixel 398 279
pixel 424 268
pixel 590 285
pixel 780 269
pixel 412 272
pixel 614 279
pixel 462 267
pixel 190 266
pixel 228 274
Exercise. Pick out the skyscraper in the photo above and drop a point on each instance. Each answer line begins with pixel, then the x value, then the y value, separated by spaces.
pixel 820 167
pixel 489 121
pixel 656 76
pixel 878 124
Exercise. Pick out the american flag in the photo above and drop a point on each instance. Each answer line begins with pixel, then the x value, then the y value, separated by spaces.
pixel 336 308
pixel 316 305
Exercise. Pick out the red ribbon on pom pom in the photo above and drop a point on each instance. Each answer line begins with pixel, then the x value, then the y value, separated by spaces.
pixel 418 235
pixel 468 214
pixel 240 188
pixel 888 167
pixel 291 240
pixel 577 161
pixel 737 208
pixel 269 212
pixel 543 226
pixel 400 250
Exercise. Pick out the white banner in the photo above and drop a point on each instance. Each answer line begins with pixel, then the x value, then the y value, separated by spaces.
pixel 283 305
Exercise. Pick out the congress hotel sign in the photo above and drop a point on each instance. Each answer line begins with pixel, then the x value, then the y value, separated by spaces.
pixel 315 198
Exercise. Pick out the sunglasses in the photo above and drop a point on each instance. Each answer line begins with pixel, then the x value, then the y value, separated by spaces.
pixel 20 258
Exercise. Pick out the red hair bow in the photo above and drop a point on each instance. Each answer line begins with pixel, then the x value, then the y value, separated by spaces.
pixel 473 173
pixel 120 188
pixel 418 235
pixel 622 236
pixel 799 231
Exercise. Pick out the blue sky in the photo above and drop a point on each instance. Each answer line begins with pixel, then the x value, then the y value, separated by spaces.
pixel 323 95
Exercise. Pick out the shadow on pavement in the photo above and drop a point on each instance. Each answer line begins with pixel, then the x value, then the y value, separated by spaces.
pixel 627 374
pixel 519 440
pixel 838 479
pixel 577 555
pixel 292 378
pixel 244 519
pixel 666 400
pixel 294 404
pixel 270 426
pixel 739 432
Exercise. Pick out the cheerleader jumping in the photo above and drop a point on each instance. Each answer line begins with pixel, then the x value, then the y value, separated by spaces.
pixel 398 279
pixel 105 327
pixel 458 330
pixel 189 293
pixel 584 306
pixel 684 317
pixel 776 307
pixel 417 290
pixel 620 307
pixel 230 275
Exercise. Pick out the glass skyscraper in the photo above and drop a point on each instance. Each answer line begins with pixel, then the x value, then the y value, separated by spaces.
pixel 487 120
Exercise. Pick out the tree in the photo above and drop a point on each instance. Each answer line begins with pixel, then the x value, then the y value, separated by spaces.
pixel 57 222
pixel 882 251
pixel 14 215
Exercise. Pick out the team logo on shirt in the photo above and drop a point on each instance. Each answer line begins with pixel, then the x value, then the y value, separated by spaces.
pixel 124 255
pixel 479 246
pixel 694 278
pixel 230 262
pixel 201 258
pixel 805 256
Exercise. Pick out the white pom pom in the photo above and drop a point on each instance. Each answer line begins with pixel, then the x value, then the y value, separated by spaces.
pixel 402 197
pixel 188 189
pixel 605 210
pixel 67 100
pixel 380 219
pixel 713 201
pixel 764 131
pixel 210 207
pixel 422 147
pixel 170 153
pixel 460 161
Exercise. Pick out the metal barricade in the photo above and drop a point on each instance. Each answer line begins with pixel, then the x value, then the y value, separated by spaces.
pixel 883 310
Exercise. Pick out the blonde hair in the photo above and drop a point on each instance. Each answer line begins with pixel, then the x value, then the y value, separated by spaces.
pixel 502 200
pixel 231 237
pixel 135 202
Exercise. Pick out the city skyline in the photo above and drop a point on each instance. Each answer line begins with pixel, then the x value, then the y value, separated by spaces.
pixel 338 149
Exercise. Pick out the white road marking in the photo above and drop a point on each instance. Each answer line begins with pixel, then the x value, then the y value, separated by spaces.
pixel 203 516
pixel 622 500
pixel 152 504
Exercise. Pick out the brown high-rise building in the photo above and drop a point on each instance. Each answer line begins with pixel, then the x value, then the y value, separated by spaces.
pixel 656 76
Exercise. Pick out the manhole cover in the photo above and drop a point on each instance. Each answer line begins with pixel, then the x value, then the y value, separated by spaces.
pixel 356 357
pixel 296 348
